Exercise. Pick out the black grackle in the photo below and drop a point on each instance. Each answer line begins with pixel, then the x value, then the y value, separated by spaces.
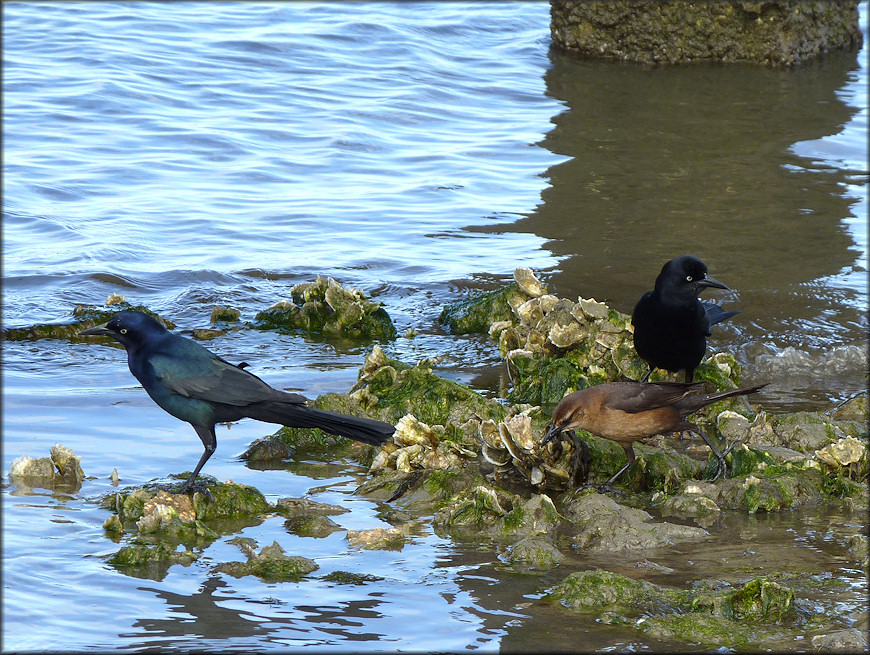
pixel 195 385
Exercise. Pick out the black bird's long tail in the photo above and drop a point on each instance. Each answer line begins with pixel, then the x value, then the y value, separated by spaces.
pixel 297 415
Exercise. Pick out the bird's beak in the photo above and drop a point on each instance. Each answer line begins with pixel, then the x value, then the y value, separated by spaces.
pixel 552 433
pixel 97 330
pixel 712 282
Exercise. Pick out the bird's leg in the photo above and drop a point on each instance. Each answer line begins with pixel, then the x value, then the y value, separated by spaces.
pixel 629 454
pixel 646 375
pixel 720 469
pixel 209 440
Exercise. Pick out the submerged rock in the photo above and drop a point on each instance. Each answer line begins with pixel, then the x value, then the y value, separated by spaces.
pixel 710 615
pixel 270 564
pixel 85 316
pixel 535 552
pixel 325 307
pixel 223 314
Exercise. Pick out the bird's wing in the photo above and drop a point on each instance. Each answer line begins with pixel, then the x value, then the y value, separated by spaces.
pixel 633 397
pixel 199 373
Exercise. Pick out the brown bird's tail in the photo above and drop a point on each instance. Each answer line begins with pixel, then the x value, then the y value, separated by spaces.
pixel 692 403
pixel 297 415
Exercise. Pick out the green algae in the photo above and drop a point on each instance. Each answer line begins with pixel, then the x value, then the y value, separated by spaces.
pixel 324 307
pixel 474 315
pixel 223 314
pixel 139 555
pixel 271 564
pixel 347 577
pixel 85 316
pixel 388 389
pixel 710 615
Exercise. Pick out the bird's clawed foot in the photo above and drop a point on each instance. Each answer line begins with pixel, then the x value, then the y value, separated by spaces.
pixel 192 486
pixel 720 468
pixel 602 488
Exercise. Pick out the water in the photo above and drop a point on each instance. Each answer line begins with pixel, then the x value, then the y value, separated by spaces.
pixel 196 154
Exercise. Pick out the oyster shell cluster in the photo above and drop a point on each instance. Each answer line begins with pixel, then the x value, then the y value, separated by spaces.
pixel 547 326
pixel 510 450
pixel 417 445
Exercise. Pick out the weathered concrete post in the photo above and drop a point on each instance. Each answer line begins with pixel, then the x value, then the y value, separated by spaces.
pixel 773 32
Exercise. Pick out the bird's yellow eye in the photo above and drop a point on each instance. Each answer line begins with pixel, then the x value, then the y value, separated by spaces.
pixel 123 330
pixel 689 278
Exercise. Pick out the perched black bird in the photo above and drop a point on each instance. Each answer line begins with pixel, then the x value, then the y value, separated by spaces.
pixel 671 324
pixel 627 411
pixel 195 385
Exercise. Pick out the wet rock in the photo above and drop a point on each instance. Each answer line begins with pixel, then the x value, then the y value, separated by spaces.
pixel 497 513
pixel 805 432
pixel 732 426
pixel 207 334
pixel 61 470
pixel 347 577
pixel 270 565
pixel 223 314
pixel 854 409
pixel 695 501
pixel 150 561
pixel 112 525
pixel 707 615
pixel 850 640
pixel 534 552
pixel 303 506
pixel 681 32
pixel 325 307
pixel 598 590
pixel 84 316
pixel 377 539
pixel 603 525
pixel 183 517
pixel 772 490
pixel 311 525
pixel 267 449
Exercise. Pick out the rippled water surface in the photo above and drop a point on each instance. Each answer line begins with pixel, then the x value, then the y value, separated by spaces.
pixel 189 154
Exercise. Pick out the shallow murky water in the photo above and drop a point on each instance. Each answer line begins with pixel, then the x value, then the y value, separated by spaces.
pixel 198 154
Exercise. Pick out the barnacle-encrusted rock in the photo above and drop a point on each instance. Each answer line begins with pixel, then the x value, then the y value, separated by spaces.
pixel 325 307
pixel 847 453
pixel 389 389
pixel 497 513
pixel 61 470
pixel 181 516
pixel 85 316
